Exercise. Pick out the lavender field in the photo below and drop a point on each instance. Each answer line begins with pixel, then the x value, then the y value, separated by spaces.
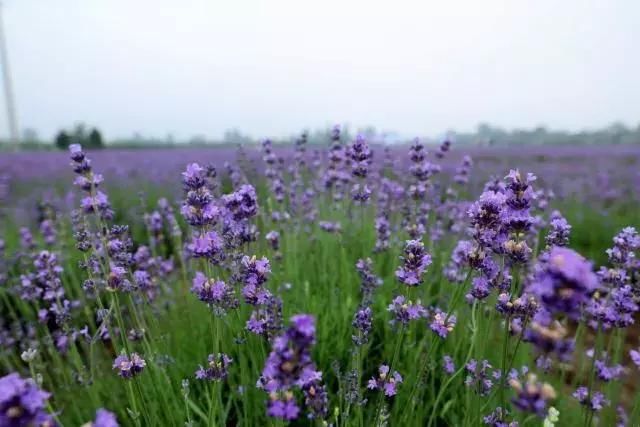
pixel 344 284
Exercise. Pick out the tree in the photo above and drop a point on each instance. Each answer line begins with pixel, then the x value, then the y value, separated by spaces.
pixel 63 140
pixel 94 140
pixel 79 134
pixel 234 136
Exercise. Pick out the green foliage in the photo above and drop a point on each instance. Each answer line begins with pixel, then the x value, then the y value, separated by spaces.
pixel 63 140
pixel 90 139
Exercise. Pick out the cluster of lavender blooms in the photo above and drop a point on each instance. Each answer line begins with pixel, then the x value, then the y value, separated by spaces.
pixel 562 282
pixel 389 196
pixel 533 396
pixel 104 418
pixel 416 261
pixel 481 376
pixel 214 292
pixel 386 381
pixel 594 402
pixel 128 366
pixel 95 201
pixel 418 190
pixel 360 156
pixel 217 368
pixel 288 367
pixel 369 282
pixel 463 171
pixel 299 196
pixel 498 418
pixel 253 274
pixel 559 231
pixel 363 317
pixel 200 211
pixel 266 319
pixel 335 177
pixel 616 301
pixel 330 227
pixel 23 403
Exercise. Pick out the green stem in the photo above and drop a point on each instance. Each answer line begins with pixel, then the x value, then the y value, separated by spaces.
pixel 396 352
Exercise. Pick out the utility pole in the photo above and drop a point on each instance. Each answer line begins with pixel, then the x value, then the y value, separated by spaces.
pixel 12 119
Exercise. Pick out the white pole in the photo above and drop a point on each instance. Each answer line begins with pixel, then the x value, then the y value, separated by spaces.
pixel 8 87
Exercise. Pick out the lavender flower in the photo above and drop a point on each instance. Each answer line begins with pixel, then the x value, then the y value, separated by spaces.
pixel 330 227
pixel 486 217
pixel 362 322
pixel 444 147
pixel 285 408
pixel 622 419
pixel 607 372
pixel 498 418
pixel 416 261
pixel 243 204
pixel 559 232
pixel 625 244
pixel 563 282
pixel 368 280
pixel 290 365
pixel 273 237
pixel 480 288
pixel 525 306
pixel 26 239
pixel 267 319
pixel 215 292
pixel 441 323
pixel 462 172
pixel 635 357
pixel 383 233
pixel 550 339
pixel 360 156
pixel 404 311
pixel 22 402
pixel 316 399
pixel 253 274
pixel 104 418
pixel 217 368
pixel 207 245
pixel 129 366
pixel 448 365
pixel 519 195
pixel 48 232
pixel 532 396
pixel 480 376
pixel 595 403
pixel 95 200
pixel 385 381
pixel 417 153
pixel 198 209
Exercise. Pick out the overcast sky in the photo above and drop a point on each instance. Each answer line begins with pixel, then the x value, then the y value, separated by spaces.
pixel 274 67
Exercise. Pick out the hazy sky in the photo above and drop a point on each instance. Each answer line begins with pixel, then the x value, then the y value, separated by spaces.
pixel 274 67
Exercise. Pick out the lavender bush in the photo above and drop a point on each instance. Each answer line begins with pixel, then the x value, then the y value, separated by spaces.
pixel 344 285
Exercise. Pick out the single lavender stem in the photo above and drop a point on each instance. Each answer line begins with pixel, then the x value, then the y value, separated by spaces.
pixel 443 388
pixel 389 372
pixel 596 352
pixel 505 348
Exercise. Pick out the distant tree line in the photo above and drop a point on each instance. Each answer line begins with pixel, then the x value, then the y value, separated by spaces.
pixel 80 134
pixel 486 134
pixel 483 135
